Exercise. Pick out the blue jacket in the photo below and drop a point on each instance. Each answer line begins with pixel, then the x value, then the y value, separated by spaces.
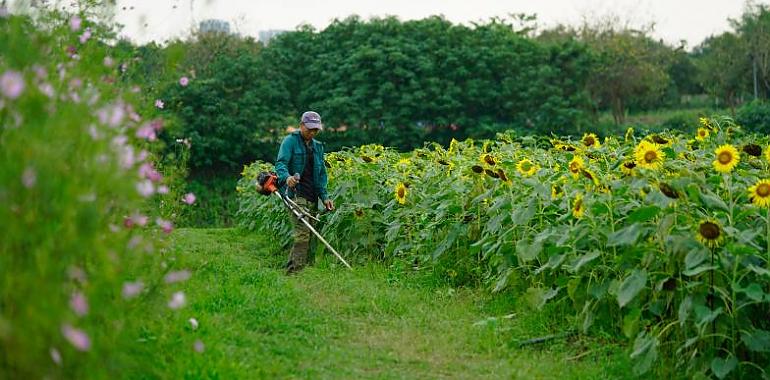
pixel 291 159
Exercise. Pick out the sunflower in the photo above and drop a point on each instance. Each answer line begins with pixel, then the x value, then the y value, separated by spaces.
pixel 590 175
pixel 767 154
pixel 575 165
pixel 578 207
pixel 667 190
pixel 752 150
pixel 727 158
pixel 403 165
pixel 502 175
pixel 659 140
pixel 760 193
pixel 488 159
pixel 628 168
pixel 629 134
pixel 590 140
pixel 710 233
pixel 526 167
pixel 453 146
pixel 648 155
pixel 702 134
pixel 491 173
pixel 366 158
pixel 401 193
pixel 556 191
pixel 704 121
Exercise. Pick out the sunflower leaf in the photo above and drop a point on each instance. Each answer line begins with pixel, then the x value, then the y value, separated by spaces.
pixel 712 200
pixel 757 340
pixel 631 286
pixel 625 236
pixel 699 270
pixel 722 367
pixel 643 214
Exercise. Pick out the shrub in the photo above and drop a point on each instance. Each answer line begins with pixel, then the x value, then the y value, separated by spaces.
pixel 755 117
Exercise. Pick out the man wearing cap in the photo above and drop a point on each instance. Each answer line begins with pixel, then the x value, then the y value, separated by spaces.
pixel 300 165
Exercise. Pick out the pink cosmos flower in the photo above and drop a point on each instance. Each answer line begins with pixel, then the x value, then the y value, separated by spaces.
pixel 132 289
pixel 46 89
pixel 55 356
pixel 126 156
pixel 146 132
pixel 189 198
pixel 40 72
pixel 79 304
pixel 29 177
pixel 164 225
pixel 145 188
pixel 198 346
pixel 11 84
pixel 77 274
pixel 184 81
pixel 75 23
pixel 177 276
pixel 108 61
pixel 142 155
pixel 159 103
pixel 85 36
pixel 135 219
pixel 147 171
pixel 163 189
pixel 78 338
pixel 177 301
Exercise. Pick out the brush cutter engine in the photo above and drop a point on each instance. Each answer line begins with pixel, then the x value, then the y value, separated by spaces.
pixel 267 183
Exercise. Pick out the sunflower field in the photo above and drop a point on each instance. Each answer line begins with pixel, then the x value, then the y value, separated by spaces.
pixel 663 239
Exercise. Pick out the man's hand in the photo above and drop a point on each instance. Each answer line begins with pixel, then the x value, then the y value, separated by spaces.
pixel 329 204
pixel 292 181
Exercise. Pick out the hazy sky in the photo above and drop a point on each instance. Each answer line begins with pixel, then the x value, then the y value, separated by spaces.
pixel 690 20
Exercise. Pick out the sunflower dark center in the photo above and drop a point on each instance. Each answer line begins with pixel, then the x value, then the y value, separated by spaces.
pixel 650 156
pixel 709 230
pixel 725 158
pixel 702 133
pixel 629 165
pixel 763 190
pixel 401 192
pixel 578 204
pixel 589 141
pixel 477 169
pixel 574 167
pixel 489 159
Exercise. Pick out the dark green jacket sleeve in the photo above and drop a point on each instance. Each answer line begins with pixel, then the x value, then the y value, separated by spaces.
pixel 282 162
pixel 323 179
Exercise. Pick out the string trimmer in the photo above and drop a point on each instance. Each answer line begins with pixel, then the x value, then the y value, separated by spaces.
pixel 267 183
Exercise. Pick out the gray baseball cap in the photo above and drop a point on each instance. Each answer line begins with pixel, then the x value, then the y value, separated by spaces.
pixel 312 120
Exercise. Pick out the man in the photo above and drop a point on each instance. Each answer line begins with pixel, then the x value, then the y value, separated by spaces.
pixel 300 165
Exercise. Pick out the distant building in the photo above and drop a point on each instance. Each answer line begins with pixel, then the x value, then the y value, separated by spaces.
pixel 214 26
pixel 266 35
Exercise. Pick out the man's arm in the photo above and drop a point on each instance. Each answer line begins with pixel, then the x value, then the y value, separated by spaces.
pixel 323 179
pixel 282 162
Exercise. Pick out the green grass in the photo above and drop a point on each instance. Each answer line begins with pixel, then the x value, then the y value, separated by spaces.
pixel 328 322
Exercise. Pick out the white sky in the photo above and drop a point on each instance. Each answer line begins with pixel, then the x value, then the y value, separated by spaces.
pixel 690 20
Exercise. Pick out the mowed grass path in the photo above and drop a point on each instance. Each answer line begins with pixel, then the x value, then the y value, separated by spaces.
pixel 332 323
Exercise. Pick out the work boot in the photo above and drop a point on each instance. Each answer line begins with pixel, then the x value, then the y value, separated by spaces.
pixel 298 258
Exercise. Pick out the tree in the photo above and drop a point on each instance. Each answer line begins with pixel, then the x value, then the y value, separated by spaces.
pixel 631 67
pixel 723 65
pixel 753 28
